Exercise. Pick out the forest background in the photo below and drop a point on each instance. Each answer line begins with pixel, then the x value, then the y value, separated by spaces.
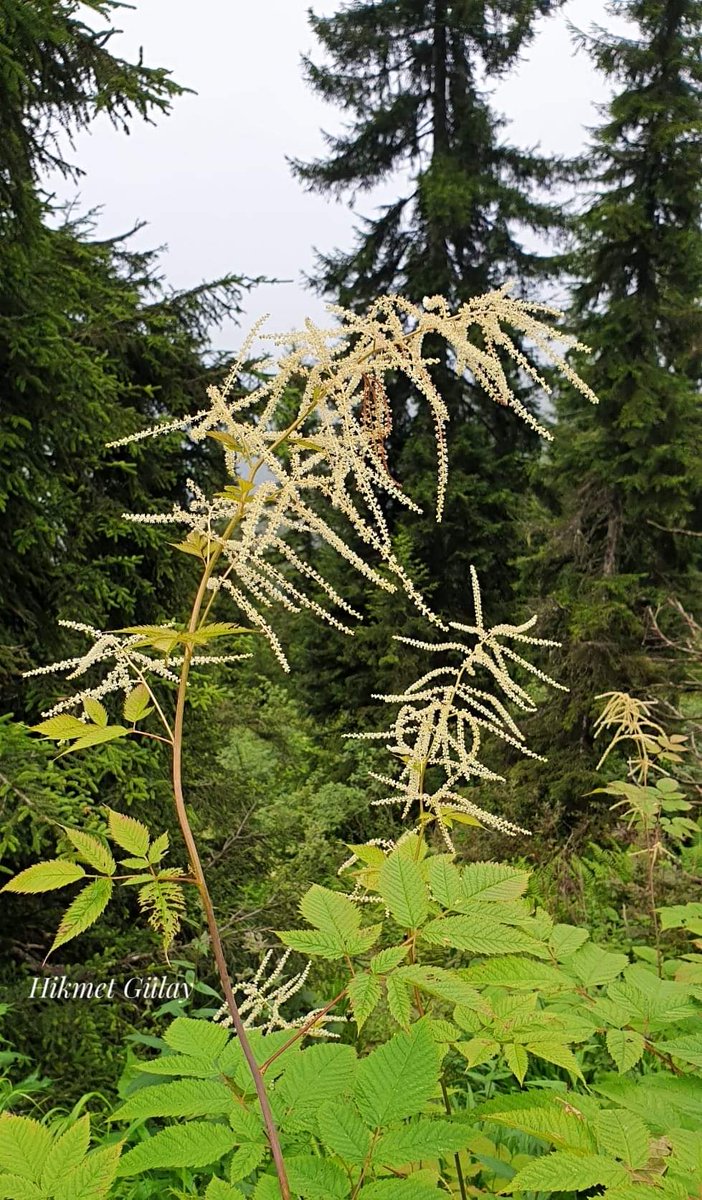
pixel 598 532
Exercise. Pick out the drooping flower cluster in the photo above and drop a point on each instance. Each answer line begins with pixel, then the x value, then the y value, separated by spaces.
pixel 261 998
pixel 330 453
pixel 121 657
pixel 444 717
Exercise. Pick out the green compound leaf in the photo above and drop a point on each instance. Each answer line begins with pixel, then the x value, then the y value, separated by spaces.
pixel 404 891
pixel 566 1172
pixel 317 1178
pixel 92 851
pixel 201 1039
pixel 444 880
pixel 137 704
pixel 479 936
pixel 58 728
pixel 421 1140
pixel 342 1131
pixel 95 735
pixel 399 1000
pixel 317 1075
pixel 245 1160
pixel 626 1047
pixel 543 1116
pixel 67 1152
pixel 128 833
pixel 217 1189
pixel 398 1189
pixel 14 1187
pixel 445 985
pixel 364 992
pixel 493 881
pixel 84 911
pixel 623 1135
pixel 330 912
pixel 182 1098
pixel 45 877
pixel 93 1178
pixel 95 711
pixel 192 1144
pixel 387 960
pixel 397 1079
pixel 517 1059
pixel 24 1146
pixel 592 966
pixel 557 1053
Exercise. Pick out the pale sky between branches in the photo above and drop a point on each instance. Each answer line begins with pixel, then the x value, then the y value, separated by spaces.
pixel 211 179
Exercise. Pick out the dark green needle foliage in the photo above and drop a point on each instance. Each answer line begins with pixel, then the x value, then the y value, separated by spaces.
pixel 92 346
pixel 412 79
pixel 625 479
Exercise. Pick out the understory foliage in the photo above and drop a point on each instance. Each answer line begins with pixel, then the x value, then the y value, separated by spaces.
pixel 430 1029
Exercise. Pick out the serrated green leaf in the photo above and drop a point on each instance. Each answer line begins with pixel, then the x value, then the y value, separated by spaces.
pixel 245 1160
pixel 398 1189
pixel 93 1178
pixel 343 1132
pixel 24 1146
pixel 317 1178
pixel 14 1187
pixel 364 993
pixel 404 891
pixel 397 1079
pixel 421 1140
pixel 331 912
pixel 191 1144
pixel 444 984
pixel 217 1189
pixel 95 711
pixel 45 877
pixel 128 833
pixel 592 966
pixel 478 936
pixel 184 1098
pixel 515 971
pixel 158 849
pixel 623 1135
pixel 558 1121
pixel 136 704
pixel 61 727
pixel 92 851
pixel 201 1039
pixel 688 1049
pixel 88 905
pixel 317 1075
pixel 563 1171
pixel 493 881
pixel 626 1047
pixel 557 1053
pixel 444 880
pixel 399 1000
pixel 66 1153
pixel 517 1059
pixel 95 735
pixel 479 1050
pixel 565 940
pixel 387 960
pixel 246 1125
pixel 163 902
pixel 312 941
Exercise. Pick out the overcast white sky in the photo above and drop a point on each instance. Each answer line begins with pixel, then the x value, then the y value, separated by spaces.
pixel 211 179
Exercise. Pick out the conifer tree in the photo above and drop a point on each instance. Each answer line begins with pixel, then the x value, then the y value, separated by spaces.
pixel 91 342
pixel 412 79
pixel 625 481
